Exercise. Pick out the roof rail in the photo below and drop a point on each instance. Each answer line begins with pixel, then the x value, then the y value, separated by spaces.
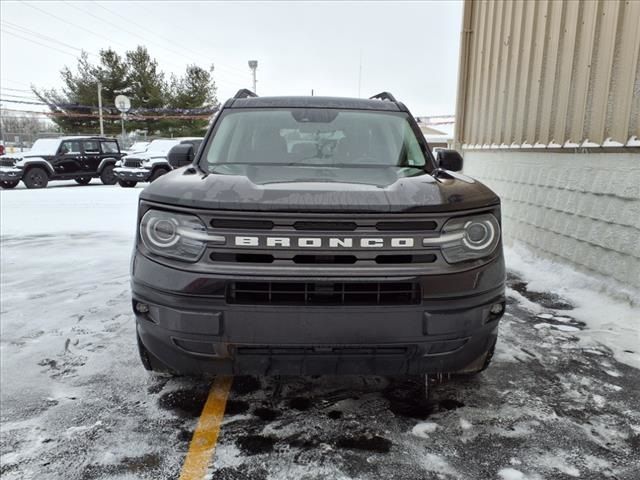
pixel 244 93
pixel 384 96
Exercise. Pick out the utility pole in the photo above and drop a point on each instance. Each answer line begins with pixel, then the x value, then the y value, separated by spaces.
pixel 253 65
pixel 100 108
pixel 360 75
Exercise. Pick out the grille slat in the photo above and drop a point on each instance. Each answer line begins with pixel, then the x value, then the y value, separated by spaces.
pixel 7 162
pixel 231 223
pixel 409 226
pixel 325 226
pixel 323 293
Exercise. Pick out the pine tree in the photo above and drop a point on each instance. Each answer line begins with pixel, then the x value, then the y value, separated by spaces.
pixel 138 76
pixel 196 90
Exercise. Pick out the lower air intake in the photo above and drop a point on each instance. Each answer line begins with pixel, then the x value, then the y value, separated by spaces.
pixel 323 293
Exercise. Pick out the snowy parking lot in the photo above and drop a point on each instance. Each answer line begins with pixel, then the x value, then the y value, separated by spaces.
pixel 560 401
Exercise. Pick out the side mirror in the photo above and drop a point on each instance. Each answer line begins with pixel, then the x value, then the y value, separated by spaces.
pixel 449 160
pixel 181 155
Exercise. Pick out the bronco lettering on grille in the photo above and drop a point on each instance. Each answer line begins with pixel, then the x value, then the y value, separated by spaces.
pixel 320 242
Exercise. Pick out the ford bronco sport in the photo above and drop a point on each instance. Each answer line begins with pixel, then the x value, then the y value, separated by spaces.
pixel 316 235
pixel 66 158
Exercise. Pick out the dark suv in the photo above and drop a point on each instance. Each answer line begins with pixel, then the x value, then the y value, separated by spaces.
pixel 316 235
pixel 66 158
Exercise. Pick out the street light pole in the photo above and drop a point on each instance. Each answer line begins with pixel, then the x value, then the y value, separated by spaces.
pixel 100 108
pixel 253 65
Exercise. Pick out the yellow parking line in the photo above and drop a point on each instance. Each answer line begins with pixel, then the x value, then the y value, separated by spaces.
pixel 203 442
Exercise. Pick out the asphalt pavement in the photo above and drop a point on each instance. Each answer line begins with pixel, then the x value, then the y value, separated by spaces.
pixel 77 404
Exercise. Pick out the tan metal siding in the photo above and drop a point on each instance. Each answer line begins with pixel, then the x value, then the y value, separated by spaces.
pixel 581 70
pixel 628 72
pixel 515 64
pixel 563 86
pixel 549 72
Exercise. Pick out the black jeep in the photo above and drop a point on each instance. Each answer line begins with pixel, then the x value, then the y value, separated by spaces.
pixel 316 235
pixel 66 158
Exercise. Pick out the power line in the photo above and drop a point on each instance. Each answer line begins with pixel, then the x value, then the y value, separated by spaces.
pixel 136 111
pixel 15 89
pixel 102 19
pixel 105 37
pixel 25 30
pixel 38 43
pixel 25 97
pixel 21 101
pixel 132 117
pixel 173 42
pixel 4 79
pixel 67 22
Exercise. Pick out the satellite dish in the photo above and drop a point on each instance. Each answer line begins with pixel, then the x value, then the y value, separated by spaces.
pixel 123 103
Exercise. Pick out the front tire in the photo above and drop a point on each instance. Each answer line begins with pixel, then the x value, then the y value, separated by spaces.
pixel 107 176
pixel 7 184
pixel 157 174
pixel 127 183
pixel 83 180
pixel 36 177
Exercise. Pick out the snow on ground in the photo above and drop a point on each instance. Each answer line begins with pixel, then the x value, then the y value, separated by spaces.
pixel 559 401
pixel 68 208
pixel 614 322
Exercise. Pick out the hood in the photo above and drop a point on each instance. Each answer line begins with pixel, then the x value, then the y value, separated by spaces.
pixel 284 188
pixel 22 155
pixel 146 155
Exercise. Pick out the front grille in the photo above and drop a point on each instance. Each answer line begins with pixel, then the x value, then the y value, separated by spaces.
pixel 132 162
pixel 7 162
pixel 323 241
pixel 323 293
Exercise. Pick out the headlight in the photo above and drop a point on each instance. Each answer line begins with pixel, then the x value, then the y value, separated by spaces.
pixel 469 238
pixel 175 235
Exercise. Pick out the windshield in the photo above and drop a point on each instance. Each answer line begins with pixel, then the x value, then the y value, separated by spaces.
pixel 162 145
pixel 314 137
pixel 45 146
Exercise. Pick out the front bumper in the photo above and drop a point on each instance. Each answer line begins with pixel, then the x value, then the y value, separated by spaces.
pixel 132 174
pixel 448 331
pixel 11 174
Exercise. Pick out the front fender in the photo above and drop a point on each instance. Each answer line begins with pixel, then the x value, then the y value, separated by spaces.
pixel 35 162
pixel 106 161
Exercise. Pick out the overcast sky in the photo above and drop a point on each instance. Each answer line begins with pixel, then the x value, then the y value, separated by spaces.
pixel 407 48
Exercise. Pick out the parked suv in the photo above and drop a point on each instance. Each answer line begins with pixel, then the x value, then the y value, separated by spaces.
pixel 66 158
pixel 151 164
pixel 316 235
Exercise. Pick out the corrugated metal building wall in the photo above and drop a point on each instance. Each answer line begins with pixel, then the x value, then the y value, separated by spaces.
pixel 549 72
pixel 540 83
